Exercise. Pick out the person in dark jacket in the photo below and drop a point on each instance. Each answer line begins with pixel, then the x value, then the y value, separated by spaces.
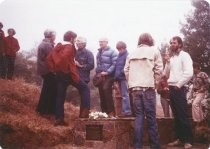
pixel 2 53
pixel 11 48
pixel 106 60
pixel 84 61
pixel 120 78
pixel 46 104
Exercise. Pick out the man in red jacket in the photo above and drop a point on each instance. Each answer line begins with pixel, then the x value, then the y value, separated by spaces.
pixel 61 62
pixel 11 48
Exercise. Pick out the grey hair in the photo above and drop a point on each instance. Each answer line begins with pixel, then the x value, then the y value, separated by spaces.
pixel 48 33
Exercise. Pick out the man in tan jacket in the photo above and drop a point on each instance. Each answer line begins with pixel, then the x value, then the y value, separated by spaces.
pixel 143 69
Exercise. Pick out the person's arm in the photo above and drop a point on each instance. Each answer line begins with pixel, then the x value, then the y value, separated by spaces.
pixel 90 62
pixel 16 46
pixel 113 60
pixel 158 68
pixel 127 67
pixel 187 69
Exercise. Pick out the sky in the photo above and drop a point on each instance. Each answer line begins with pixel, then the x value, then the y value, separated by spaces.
pixel 118 20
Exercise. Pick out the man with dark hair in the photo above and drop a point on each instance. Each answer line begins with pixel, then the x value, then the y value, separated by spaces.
pixel 61 62
pixel 46 104
pixel 2 52
pixel 11 48
pixel 143 70
pixel 179 71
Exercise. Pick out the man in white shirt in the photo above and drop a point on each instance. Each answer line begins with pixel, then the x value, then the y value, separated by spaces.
pixel 179 71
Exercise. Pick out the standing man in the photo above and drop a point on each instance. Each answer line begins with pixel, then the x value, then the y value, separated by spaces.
pixel 121 80
pixel 106 60
pixel 2 54
pixel 143 70
pixel 11 48
pixel 179 71
pixel 46 103
pixel 84 61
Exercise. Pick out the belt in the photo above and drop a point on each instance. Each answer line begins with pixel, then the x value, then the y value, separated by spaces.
pixel 141 88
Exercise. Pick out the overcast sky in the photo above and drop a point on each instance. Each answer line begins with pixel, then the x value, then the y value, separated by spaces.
pixel 115 19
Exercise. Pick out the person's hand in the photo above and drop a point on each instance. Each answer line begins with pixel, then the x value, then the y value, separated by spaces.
pixel 103 73
pixel 78 64
pixel 176 88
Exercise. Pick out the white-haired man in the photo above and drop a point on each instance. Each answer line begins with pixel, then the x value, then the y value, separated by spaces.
pixel 106 60
pixel 46 104
pixel 84 61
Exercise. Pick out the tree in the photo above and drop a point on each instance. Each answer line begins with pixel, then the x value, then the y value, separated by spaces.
pixel 196 33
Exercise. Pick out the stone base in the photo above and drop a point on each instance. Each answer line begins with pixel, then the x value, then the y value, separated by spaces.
pixel 118 133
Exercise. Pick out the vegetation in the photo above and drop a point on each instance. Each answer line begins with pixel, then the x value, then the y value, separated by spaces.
pixel 196 33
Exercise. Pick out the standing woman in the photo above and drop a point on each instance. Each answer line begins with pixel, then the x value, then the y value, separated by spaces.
pixel 11 48
pixel 46 103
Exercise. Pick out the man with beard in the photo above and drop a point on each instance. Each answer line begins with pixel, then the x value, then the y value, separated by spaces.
pixel 179 71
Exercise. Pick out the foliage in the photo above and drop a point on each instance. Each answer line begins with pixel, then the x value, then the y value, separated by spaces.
pixel 196 33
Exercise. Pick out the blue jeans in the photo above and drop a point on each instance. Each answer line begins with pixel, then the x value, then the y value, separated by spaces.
pixel 126 106
pixel 63 81
pixel 145 105
pixel 178 101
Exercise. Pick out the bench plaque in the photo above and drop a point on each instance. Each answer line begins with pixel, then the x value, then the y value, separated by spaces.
pixel 94 132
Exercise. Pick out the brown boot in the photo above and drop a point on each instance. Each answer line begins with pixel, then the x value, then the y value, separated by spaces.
pixel 85 113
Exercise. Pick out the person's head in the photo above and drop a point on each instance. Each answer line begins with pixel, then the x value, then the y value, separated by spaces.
pixel 196 67
pixel 81 42
pixel 146 39
pixel 103 43
pixel 50 34
pixel 70 36
pixel 176 44
pixel 1 25
pixel 121 46
pixel 11 32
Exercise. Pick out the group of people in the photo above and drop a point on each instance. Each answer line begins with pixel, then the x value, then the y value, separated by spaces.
pixel 138 73
pixel 8 48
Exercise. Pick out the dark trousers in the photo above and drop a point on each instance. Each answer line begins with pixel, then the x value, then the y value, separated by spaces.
pixel 46 104
pixel 63 81
pixel 179 108
pixel 2 66
pixel 105 92
pixel 9 66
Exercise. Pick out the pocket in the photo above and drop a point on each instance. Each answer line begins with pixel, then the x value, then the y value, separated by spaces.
pixel 150 94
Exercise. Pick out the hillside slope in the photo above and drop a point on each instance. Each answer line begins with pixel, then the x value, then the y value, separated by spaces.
pixel 21 126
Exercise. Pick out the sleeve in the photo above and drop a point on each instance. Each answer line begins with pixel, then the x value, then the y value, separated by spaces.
pixel 50 62
pixel 158 67
pixel 90 62
pixel 126 67
pixel 70 54
pixel 113 60
pixel 187 69
pixel 16 46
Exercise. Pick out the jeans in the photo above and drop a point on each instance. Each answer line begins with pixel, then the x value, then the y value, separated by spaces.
pixel 46 103
pixel 178 101
pixel 126 106
pixel 63 81
pixel 145 105
pixel 105 92
pixel 2 66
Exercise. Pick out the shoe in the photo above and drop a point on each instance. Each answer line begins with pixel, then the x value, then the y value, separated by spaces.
pixel 60 122
pixel 111 114
pixel 175 143
pixel 85 113
pixel 187 146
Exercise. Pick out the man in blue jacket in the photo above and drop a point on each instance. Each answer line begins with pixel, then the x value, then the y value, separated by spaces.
pixel 84 61
pixel 120 78
pixel 106 60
